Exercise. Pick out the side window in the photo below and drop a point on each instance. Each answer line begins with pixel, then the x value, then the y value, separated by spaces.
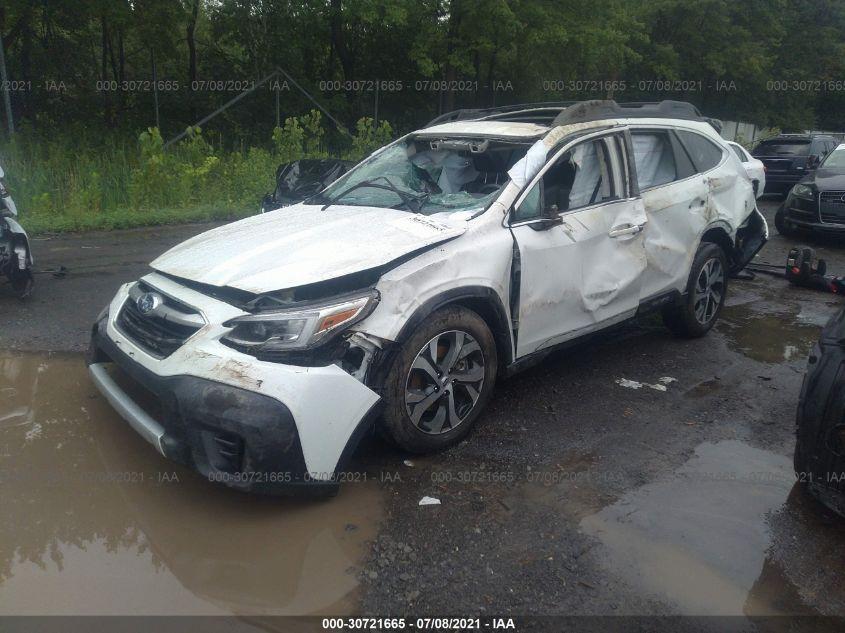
pixel 654 158
pixel 530 207
pixel 705 154
pixel 739 153
pixel 578 178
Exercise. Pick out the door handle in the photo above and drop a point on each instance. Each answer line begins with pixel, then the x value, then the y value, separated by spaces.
pixel 626 229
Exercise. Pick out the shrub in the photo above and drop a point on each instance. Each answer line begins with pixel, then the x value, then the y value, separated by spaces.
pixel 101 181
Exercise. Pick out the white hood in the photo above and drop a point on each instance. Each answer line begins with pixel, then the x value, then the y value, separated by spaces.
pixel 302 244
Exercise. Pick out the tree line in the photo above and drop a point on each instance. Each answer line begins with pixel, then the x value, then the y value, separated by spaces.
pixel 82 66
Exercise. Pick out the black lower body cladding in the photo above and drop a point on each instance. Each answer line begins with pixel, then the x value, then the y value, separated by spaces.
pixel 820 427
pixel 232 436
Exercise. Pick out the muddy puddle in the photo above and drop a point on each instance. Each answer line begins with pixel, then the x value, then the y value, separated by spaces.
pixel 700 539
pixel 768 338
pixel 94 521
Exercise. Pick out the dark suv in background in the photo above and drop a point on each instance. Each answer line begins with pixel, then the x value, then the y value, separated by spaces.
pixel 789 157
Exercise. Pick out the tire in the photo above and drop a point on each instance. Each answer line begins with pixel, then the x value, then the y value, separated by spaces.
pixel 450 337
pixel 781 224
pixel 799 461
pixel 690 318
pixel 22 283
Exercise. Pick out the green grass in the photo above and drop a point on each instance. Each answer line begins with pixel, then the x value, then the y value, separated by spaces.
pixel 39 224
pixel 73 183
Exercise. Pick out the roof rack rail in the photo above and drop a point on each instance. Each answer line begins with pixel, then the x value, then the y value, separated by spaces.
pixel 542 113
pixel 596 110
pixel 553 113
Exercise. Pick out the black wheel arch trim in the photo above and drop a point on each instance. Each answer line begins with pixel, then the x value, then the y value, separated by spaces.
pixel 465 296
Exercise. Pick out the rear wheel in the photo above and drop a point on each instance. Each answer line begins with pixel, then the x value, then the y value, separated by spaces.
pixel 440 381
pixel 707 290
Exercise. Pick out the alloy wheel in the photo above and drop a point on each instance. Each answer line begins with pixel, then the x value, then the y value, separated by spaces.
pixel 444 382
pixel 709 291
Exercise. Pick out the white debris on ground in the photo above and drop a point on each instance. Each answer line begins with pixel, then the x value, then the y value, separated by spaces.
pixel 635 384
pixel 429 501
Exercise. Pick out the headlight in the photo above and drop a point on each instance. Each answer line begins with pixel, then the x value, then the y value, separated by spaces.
pixel 300 328
pixel 802 191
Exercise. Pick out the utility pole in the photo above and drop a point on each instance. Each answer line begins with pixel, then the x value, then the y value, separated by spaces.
pixel 155 87
pixel 278 118
pixel 6 99
pixel 375 107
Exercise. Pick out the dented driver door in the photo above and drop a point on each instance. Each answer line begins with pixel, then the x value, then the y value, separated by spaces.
pixel 579 228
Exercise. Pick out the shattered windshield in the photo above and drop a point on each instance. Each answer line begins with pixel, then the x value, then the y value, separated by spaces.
pixel 429 176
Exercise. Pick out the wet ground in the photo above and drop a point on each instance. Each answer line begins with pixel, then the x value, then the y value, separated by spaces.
pixel 94 522
pixel 638 474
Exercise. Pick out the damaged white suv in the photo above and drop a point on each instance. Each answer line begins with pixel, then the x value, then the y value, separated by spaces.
pixel 396 297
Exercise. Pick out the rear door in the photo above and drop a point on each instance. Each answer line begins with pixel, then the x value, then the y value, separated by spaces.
pixel 585 271
pixel 674 197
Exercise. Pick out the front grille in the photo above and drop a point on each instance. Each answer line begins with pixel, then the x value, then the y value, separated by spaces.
pixel 157 335
pixel 832 206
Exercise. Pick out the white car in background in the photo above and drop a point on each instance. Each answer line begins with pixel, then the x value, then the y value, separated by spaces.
pixel 457 254
pixel 754 167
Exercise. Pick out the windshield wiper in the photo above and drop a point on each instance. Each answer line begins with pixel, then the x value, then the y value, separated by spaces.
pixel 413 203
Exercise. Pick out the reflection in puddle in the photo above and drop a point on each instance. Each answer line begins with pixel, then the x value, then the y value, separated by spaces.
pixel 95 522
pixel 699 540
pixel 768 338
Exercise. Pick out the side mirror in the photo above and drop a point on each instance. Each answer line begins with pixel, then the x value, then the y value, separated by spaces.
pixel 813 161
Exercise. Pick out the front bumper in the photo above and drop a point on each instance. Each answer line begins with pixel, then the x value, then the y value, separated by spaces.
pixel 804 213
pixel 252 425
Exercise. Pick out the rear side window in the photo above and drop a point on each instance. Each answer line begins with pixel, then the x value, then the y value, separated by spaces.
pixel 739 153
pixel 654 159
pixel 783 148
pixel 705 154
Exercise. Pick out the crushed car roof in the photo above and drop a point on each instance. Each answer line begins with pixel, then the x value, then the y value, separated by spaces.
pixel 550 115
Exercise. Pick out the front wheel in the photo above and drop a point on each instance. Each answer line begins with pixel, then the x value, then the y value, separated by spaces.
pixel 707 289
pixel 22 282
pixel 440 380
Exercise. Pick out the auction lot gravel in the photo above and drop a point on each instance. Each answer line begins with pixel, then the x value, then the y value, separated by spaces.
pixel 635 474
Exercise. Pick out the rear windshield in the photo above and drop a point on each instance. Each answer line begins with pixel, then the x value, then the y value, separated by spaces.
pixel 782 148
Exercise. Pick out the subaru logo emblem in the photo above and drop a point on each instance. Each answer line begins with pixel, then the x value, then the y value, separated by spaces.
pixel 148 302
pixel 842 198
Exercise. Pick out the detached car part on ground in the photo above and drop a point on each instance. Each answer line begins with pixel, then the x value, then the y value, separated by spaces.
pixel 817 203
pixel 15 254
pixel 456 255
pixel 301 179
